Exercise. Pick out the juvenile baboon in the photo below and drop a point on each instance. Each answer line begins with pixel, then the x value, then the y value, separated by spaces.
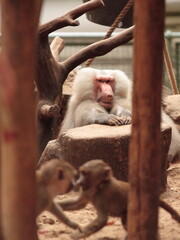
pixel 53 178
pixel 108 195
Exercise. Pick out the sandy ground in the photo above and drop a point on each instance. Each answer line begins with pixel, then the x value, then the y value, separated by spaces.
pixel 52 229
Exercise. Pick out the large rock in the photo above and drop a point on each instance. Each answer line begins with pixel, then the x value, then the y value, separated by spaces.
pixel 109 143
pixel 171 105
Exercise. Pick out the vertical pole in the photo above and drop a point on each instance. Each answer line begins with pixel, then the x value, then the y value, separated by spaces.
pixel 18 129
pixel 0 153
pixel 178 64
pixel 6 83
pixel 145 145
pixel 1 237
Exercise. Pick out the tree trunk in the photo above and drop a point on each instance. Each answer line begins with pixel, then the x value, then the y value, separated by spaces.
pixel 1 237
pixel 19 28
pixel 145 151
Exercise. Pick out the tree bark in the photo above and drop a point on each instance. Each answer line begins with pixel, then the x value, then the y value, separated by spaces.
pixel 98 49
pixel 19 28
pixel 145 151
pixel 6 90
pixel 1 236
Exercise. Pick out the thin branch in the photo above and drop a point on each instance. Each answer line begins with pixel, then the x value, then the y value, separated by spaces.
pixel 56 47
pixel 97 49
pixel 49 111
pixel 68 19
pixel 38 6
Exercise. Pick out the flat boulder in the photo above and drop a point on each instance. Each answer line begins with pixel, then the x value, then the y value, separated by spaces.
pixel 109 143
pixel 171 105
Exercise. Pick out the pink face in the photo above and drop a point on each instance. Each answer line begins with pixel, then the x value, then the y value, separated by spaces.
pixel 104 90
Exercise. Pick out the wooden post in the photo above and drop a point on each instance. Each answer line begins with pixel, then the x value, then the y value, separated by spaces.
pixel 6 90
pixel 145 151
pixel 18 129
pixel 1 238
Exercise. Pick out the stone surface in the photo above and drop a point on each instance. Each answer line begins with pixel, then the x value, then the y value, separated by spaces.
pixel 109 143
pixel 171 105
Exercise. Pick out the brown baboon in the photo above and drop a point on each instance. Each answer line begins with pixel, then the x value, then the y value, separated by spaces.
pixel 54 177
pixel 108 195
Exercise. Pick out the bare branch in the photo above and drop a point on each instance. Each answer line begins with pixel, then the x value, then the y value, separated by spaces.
pixel 56 47
pixel 97 49
pixel 68 19
pixel 38 6
pixel 49 111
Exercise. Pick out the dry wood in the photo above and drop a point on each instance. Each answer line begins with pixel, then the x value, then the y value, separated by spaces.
pixel 37 10
pixel 145 151
pixel 56 47
pixel 1 236
pixel 169 69
pixel 6 89
pixel 68 19
pixel 98 49
pixel 88 142
pixel 48 111
pixel 114 25
pixel 18 128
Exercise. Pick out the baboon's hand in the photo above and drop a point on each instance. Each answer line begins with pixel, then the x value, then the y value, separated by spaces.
pixel 118 121
pixel 126 120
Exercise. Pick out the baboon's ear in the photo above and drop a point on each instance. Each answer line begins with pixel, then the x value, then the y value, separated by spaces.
pixel 107 172
pixel 59 173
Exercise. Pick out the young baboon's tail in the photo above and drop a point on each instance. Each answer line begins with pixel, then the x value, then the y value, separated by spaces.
pixel 175 215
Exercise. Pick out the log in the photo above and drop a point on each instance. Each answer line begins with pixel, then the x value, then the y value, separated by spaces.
pixel 109 143
pixel 69 18
pixel 1 236
pixel 19 152
pixel 172 108
pixel 145 153
pixel 7 89
pixel 49 111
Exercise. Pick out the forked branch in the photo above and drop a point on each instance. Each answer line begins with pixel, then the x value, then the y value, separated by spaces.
pixel 97 49
pixel 68 19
